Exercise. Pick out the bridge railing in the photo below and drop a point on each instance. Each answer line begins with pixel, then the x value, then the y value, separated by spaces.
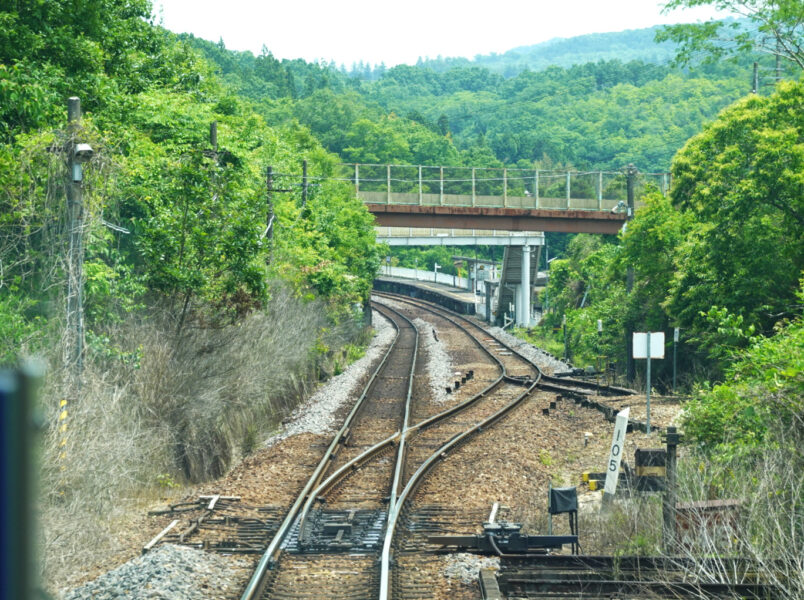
pixel 495 187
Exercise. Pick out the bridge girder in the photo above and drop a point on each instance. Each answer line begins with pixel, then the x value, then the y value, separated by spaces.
pixel 502 219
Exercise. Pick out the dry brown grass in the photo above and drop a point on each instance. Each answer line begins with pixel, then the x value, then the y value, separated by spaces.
pixel 767 535
pixel 176 411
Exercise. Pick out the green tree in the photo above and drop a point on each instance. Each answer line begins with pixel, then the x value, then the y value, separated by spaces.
pixel 775 27
pixel 741 180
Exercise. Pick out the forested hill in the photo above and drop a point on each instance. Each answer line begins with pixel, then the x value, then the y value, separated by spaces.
pixel 632 44
pixel 601 114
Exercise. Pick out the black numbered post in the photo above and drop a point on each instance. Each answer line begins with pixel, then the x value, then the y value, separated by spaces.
pixel 670 534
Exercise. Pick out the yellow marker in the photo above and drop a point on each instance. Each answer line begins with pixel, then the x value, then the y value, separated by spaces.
pixel 593 485
pixel 585 476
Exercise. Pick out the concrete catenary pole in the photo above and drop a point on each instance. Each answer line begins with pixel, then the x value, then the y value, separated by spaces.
pixel 74 347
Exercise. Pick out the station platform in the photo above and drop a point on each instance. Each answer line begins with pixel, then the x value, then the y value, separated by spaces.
pixel 461 301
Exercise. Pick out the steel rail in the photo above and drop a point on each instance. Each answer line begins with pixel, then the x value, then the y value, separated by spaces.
pixel 257 582
pixel 400 451
pixel 355 463
pixel 559 384
pixel 416 478
pixel 440 453
pixel 547 382
pixel 343 472
pixel 434 308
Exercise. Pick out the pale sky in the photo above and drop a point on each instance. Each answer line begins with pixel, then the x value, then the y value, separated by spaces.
pixel 375 31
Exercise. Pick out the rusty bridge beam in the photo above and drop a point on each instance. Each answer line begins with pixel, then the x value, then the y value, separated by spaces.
pixel 504 219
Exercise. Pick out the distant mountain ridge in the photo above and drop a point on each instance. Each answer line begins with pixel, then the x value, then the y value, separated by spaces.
pixel 631 44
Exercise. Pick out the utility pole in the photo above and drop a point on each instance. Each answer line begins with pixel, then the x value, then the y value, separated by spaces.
pixel 778 69
pixel 304 184
pixel 269 198
pixel 213 138
pixel 77 155
pixel 631 173
pixel 755 79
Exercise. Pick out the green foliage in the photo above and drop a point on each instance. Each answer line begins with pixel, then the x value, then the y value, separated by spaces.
pixel 741 181
pixel 20 332
pixel 166 222
pixel 426 257
pixel 775 27
pixel 602 114
pixel 761 395
pixel 629 45
pixel 166 481
pixel 720 258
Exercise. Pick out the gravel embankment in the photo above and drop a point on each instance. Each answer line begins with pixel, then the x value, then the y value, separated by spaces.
pixel 439 365
pixel 317 414
pixel 169 572
pixel 540 357
pixel 466 567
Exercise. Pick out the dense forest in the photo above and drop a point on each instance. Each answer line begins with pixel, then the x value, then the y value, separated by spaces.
pixel 194 275
pixel 602 114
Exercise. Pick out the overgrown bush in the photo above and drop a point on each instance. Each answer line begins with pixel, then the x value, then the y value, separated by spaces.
pixel 766 531
pixel 156 410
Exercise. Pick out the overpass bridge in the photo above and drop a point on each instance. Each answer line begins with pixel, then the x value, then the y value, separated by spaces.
pixel 501 199
pixel 426 205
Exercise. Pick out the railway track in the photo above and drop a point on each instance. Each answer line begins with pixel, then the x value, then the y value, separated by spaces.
pixel 418 516
pixel 347 515
pixel 311 554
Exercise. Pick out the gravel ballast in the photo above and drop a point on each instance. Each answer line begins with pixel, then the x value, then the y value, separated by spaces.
pixel 466 567
pixel 318 414
pixel 439 364
pixel 540 357
pixel 169 572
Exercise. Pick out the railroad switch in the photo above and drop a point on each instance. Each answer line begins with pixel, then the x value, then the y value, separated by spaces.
pixel 523 380
pixel 502 538
pixel 340 531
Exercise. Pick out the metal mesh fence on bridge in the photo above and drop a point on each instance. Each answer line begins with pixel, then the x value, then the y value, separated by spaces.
pixel 496 187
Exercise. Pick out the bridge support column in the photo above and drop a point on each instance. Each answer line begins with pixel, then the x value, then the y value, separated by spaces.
pixel 524 307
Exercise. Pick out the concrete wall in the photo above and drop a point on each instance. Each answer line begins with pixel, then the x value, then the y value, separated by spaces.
pixel 422 275
pixel 409 289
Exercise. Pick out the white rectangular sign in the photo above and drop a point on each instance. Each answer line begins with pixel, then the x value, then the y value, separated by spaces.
pixel 656 344
pixel 616 454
